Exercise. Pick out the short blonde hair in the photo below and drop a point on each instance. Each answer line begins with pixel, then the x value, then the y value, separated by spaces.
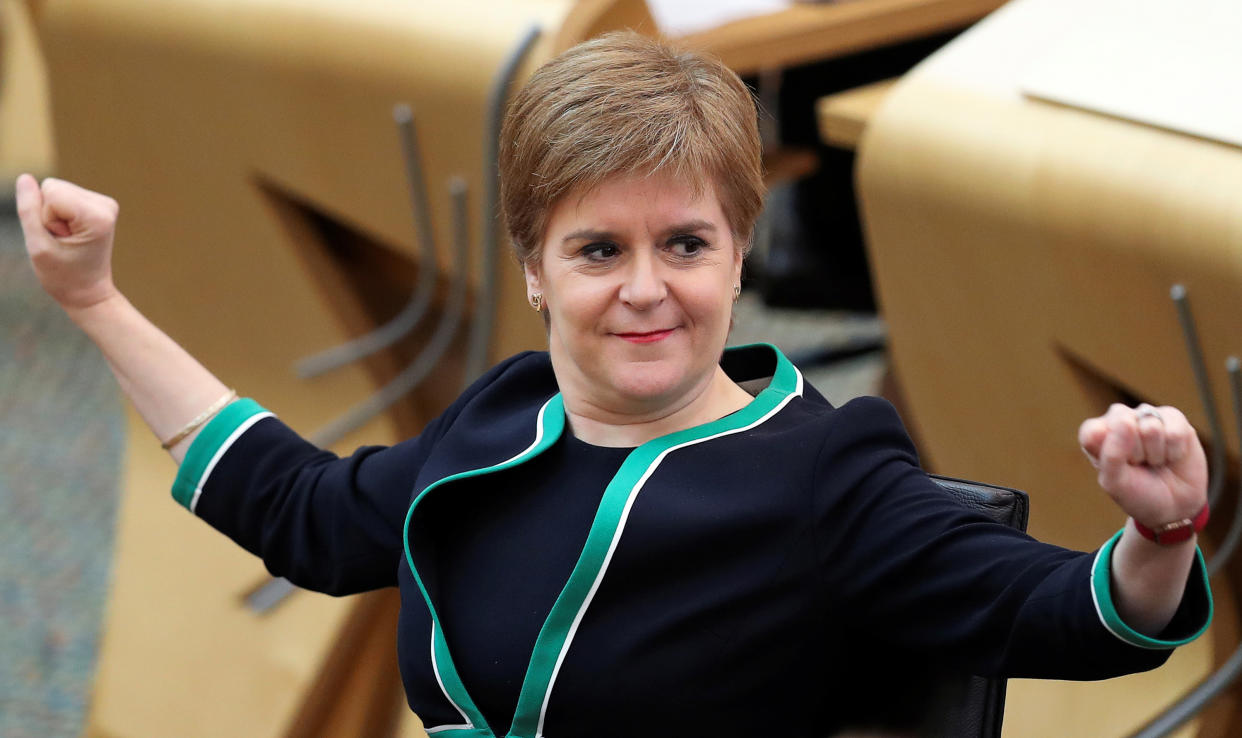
pixel 626 104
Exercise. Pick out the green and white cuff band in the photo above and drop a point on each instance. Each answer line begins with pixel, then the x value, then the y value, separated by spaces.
pixel 1102 595
pixel 209 446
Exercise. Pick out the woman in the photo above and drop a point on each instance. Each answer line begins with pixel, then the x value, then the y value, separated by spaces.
pixel 631 533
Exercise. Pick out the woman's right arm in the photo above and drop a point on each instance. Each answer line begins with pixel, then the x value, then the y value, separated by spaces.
pixel 328 524
pixel 69 232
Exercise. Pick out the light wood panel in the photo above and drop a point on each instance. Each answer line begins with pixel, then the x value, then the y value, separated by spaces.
pixel 843 116
pixel 813 31
pixel 1023 254
pixel 25 120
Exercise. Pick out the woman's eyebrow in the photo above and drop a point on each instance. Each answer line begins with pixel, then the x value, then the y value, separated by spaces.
pixel 589 234
pixel 594 234
pixel 692 226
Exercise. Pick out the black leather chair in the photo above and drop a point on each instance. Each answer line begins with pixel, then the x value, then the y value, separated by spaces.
pixel 910 701
pixel 979 706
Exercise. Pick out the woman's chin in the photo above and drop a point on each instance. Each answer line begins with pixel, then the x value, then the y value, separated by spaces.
pixel 652 386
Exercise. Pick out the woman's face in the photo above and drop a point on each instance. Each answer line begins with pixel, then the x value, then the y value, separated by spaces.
pixel 638 280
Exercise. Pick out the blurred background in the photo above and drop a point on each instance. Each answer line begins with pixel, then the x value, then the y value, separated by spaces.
pixel 976 209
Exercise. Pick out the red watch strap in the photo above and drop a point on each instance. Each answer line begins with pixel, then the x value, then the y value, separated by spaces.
pixel 1175 532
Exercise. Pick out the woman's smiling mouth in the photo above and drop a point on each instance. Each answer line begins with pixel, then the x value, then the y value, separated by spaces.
pixel 647 337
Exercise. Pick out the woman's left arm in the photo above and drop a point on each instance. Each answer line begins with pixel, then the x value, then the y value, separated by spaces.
pixel 1152 465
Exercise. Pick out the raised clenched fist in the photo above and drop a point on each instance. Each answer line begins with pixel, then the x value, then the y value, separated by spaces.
pixel 68 231
pixel 1149 461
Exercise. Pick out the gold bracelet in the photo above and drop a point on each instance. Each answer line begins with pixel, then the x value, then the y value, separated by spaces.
pixel 203 417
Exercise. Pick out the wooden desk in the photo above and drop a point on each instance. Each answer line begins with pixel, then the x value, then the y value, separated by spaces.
pixel 1023 254
pixel 25 120
pixel 844 116
pixel 812 32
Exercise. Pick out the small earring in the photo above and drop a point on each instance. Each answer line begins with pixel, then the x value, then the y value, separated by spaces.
pixel 536 301
pixel 737 291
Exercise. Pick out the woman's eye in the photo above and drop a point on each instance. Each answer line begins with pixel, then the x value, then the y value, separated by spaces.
pixel 687 246
pixel 600 251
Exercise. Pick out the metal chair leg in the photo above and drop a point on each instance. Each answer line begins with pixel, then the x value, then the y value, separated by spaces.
pixel 426 361
pixel 485 306
pixel 420 300
pixel 1216 475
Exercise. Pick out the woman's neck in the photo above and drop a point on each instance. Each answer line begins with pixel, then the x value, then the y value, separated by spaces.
pixel 604 426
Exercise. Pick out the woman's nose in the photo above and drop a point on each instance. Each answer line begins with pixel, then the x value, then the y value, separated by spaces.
pixel 644 284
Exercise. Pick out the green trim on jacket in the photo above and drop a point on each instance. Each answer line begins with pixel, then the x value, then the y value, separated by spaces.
pixel 557 633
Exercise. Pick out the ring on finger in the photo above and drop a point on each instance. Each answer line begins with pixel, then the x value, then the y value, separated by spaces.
pixel 1147 411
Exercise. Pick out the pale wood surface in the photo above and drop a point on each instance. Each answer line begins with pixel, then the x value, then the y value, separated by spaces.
pixel 843 116
pixel 1023 254
pixel 220 128
pixel 809 32
pixel 1146 61
pixel 25 119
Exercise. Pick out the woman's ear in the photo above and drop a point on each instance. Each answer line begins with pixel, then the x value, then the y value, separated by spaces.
pixel 534 285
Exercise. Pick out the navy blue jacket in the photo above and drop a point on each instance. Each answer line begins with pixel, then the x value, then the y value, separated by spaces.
pixel 733 577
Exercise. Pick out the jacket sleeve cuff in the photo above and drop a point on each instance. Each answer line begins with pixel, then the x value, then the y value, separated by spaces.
pixel 1192 618
pixel 209 446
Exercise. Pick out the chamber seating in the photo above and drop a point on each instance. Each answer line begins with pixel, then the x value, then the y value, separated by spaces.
pixel 1023 254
